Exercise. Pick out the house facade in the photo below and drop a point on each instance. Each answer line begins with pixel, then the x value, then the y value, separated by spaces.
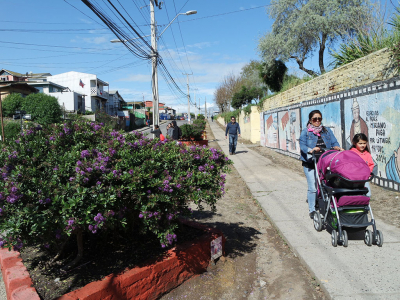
pixel 115 103
pixel 93 89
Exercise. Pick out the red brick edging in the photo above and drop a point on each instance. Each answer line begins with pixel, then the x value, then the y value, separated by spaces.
pixel 146 282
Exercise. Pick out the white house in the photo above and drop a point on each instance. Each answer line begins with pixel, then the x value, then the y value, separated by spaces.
pixel 89 86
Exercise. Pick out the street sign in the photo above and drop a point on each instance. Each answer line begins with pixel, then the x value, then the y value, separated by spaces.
pixel 20 112
pixel 27 117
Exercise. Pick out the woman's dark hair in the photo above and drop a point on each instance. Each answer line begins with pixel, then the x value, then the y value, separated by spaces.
pixel 310 115
pixel 359 137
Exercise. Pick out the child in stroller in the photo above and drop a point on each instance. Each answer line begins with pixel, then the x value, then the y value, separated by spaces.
pixel 341 197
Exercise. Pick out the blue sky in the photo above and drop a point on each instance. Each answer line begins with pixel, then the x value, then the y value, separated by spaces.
pixel 58 36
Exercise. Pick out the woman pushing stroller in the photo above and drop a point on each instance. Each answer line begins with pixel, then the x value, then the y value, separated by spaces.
pixel 312 139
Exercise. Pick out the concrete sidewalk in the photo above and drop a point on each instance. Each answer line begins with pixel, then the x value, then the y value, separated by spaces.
pixel 356 272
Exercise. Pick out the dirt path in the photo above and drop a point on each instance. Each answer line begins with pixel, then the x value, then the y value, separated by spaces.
pixel 258 265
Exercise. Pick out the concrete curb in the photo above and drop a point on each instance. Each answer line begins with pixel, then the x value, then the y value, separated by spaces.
pixel 149 281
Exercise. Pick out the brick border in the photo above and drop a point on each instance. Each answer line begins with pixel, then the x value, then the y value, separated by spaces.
pixel 148 281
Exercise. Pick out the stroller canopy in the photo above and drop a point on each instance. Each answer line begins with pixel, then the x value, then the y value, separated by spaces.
pixel 347 164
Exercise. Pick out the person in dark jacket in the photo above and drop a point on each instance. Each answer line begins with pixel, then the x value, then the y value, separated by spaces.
pixel 176 133
pixel 156 131
pixel 233 129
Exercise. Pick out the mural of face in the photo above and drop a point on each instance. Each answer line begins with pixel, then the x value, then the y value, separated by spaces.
pixel 356 111
pixel 397 156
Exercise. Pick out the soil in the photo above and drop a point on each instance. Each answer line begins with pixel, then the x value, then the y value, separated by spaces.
pixel 258 264
pixel 102 256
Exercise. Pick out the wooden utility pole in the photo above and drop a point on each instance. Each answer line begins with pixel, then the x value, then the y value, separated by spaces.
pixel 3 138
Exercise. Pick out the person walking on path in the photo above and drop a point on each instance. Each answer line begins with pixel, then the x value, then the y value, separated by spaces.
pixel 212 118
pixel 313 138
pixel 233 129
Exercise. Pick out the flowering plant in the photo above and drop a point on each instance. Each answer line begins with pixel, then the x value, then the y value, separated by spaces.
pixel 79 178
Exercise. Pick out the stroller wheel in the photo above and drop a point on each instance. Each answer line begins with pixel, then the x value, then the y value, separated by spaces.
pixel 368 238
pixel 345 242
pixel 334 238
pixel 317 221
pixel 379 238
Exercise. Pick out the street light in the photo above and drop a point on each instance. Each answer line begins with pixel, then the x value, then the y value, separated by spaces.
pixel 154 39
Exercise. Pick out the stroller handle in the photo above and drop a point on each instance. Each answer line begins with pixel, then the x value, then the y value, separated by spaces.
pixel 316 156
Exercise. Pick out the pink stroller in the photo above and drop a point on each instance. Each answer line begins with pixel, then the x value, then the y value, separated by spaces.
pixel 341 201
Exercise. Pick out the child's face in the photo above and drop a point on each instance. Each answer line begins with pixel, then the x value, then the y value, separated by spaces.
pixel 361 145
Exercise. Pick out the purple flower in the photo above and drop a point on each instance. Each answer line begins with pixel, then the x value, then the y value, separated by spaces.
pixel 82 173
pixel 89 169
pixel 131 172
pixel 79 163
pixel 201 169
pixel 98 182
pixel 90 227
pixel 97 127
pixel 211 167
pixel 85 180
pixel 14 189
pixel 58 236
pixel 178 186
pixel 71 178
pixel 115 172
pixel 17 141
pixel 70 222
pixel 77 169
pixel 162 245
pixel 52 138
pixel 85 153
pixel 102 168
pixel 55 168
pixel 148 192
pixel 140 216
pixel 48 200
pixel 1 244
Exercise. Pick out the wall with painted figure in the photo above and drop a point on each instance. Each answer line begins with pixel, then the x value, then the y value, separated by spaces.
pixel 378 117
pixel 271 130
pixel 262 130
pixel 330 117
pixel 289 130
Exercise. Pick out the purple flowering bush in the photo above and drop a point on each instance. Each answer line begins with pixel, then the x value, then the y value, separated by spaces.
pixel 78 178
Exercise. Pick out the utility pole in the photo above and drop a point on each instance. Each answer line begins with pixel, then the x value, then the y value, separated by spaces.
pixel 188 95
pixel 205 107
pixel 199 107
pixel 154 60
pixel 2 124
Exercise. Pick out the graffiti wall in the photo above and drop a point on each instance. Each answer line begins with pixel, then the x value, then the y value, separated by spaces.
pixel 378 117
pixel 330 117
pixel 373 110
pixel 289 130
pixel 271 130
pixel 262 130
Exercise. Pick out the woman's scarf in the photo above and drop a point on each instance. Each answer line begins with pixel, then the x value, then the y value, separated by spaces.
pixel 314 129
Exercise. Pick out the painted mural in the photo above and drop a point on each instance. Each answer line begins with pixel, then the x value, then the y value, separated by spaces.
pixel 378 117
pixel 289 130
pixel 271 130
pixel 330 117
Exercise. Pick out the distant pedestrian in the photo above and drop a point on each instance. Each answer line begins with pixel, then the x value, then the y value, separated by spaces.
pixel 212 118
pixel 156 131
pixel 148 122
pixel 177 133
pixel 233 129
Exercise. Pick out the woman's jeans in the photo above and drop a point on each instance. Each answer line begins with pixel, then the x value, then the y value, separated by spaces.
pixel 232 142
pixel 312 190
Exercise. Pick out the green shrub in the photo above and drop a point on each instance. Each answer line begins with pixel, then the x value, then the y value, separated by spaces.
pixel 201 117
pixel 77 179
pixel 43 108
pixel 187 131
pixel 11 103
pixel 12 131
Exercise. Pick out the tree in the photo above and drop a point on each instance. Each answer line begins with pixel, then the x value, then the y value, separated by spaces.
pixel 273 74
pixel 230 85
pixel 250 75
pixel 11 103
pixel 304 26
pixel 43 108
pixel 245 96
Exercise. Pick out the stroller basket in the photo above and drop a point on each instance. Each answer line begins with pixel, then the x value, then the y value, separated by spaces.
pixel 354 217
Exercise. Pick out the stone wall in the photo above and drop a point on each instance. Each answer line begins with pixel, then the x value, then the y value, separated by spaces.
pixel 377 66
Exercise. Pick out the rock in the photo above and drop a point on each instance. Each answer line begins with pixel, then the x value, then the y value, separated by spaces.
pixel 262 283
pixel 222 258
pixel 57 280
